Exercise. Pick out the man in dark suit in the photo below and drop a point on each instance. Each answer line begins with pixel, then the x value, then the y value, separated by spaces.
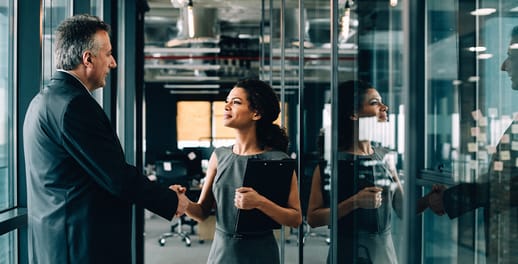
pixel 498 192
pixel 80 188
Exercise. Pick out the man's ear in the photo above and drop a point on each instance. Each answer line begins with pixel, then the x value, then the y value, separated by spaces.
pixel 87 58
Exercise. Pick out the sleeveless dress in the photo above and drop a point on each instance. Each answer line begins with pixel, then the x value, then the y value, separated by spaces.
pixel 229 247
pixel 364 235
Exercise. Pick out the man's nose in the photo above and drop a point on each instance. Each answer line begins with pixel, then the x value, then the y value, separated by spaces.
pixel 504 65
pixel 114 64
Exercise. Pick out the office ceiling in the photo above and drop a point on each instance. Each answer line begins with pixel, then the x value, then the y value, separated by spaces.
pixel 172 56
pixel 231 29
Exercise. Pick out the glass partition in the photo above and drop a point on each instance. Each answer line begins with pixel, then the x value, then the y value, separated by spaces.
pixel 365 110
pixel 470 130
pixel 288 44
pixel 8 247
pixel 55 11
pixel 7 193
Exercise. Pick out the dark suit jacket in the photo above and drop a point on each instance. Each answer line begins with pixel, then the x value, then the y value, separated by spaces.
pixel 497 193
pixel 80 188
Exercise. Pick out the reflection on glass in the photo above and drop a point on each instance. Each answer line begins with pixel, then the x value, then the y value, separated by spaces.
pixel 5 94
pixel 368 185
pixel 96 7
pixel 55 12
pixel 7 246
pixel 472 131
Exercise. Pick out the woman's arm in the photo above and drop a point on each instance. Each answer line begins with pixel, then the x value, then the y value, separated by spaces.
pixel 248 198
pixel 200 210
pixel 397 203
pixel 318 215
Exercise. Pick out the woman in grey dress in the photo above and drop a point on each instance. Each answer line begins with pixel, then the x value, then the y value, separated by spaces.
pixel 251 108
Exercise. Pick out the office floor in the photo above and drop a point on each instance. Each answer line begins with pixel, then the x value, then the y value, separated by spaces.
pixel 175 251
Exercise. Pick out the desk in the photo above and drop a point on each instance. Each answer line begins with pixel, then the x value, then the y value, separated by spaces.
pixel 207 228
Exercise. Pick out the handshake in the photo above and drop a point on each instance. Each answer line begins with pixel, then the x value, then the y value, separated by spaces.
pixel 183 201
pixel 433 200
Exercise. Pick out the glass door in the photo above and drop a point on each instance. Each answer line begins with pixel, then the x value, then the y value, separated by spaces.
pixel 470 131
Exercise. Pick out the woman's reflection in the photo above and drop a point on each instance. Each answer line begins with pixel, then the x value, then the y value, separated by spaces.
pixel 369 187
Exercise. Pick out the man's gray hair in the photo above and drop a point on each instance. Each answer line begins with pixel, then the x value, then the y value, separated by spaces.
pixel 74 36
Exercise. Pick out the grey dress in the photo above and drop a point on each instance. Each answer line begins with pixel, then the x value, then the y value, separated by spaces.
pixel 229 247
pixel 365 235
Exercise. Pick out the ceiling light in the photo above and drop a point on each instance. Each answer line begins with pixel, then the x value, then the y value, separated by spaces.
pixel 514 9
pixel 344 32
pixel 477 49
pixel 179 3
pixel 190 19
pixel 483 11
pixel 485 56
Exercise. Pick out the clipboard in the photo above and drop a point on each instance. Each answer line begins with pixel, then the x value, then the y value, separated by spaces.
pixel 271 179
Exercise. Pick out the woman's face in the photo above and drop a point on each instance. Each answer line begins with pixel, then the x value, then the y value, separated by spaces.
pixel 237 110
pixel 372 106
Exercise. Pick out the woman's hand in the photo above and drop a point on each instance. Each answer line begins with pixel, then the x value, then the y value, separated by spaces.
pixel 247 198
pixel 368 198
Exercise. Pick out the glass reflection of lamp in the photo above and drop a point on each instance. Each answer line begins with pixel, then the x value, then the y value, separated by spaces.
pixel 346 18
pixel 190 19
pixel 179 3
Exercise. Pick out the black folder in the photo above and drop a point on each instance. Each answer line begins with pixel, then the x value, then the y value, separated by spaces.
pixel 271 179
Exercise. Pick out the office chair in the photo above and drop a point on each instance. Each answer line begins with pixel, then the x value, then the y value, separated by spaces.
pixel 193 160
pixel 171 172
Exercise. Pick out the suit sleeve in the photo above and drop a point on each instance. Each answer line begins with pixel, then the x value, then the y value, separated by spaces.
pixel 465 197
pixel 91 141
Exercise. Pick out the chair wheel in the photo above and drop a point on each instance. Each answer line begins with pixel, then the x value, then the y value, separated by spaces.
pixel 161 241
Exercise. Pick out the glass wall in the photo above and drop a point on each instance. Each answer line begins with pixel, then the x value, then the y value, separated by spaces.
pixel 470 130
pixel 6 106
pixel 8 247
pixel 55 11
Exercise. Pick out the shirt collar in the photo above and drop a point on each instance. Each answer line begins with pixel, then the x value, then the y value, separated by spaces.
pixel 73 75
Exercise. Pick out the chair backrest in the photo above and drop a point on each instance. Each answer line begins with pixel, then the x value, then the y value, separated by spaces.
pixel 193 162
pixel 172 172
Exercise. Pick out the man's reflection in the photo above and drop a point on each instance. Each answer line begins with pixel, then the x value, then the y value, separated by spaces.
pixel 498 192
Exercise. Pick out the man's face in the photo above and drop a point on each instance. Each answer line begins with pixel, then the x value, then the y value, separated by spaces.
pixel 510 64
pixel 102 61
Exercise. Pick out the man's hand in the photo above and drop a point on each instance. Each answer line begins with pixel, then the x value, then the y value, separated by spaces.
pixel 183 201
pixel 435 199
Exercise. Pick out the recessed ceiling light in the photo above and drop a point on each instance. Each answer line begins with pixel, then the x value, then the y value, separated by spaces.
pixel 485 56
pixel 477 49
pixel 483 11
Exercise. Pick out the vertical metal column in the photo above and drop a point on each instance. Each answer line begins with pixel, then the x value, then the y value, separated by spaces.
pixel 302 125
pixel 414 102
pixel 334 127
